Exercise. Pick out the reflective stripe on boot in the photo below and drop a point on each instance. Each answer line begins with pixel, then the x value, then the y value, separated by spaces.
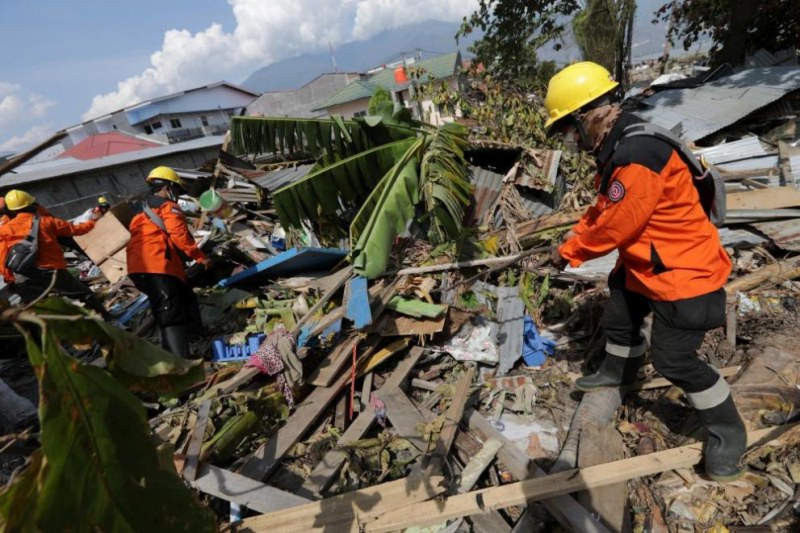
pixel 618 369
pixel 727 435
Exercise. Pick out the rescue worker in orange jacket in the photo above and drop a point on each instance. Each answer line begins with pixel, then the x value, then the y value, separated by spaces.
pixel 160 239
pixel 671 261
pixel 22 208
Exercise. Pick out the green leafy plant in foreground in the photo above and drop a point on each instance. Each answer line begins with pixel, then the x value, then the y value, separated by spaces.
pixel 97 468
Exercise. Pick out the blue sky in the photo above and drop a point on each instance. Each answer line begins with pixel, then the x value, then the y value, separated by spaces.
pixel 67 61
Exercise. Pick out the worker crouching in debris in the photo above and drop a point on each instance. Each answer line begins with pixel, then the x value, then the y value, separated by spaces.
pixel 671 261
pixel 160 239
pixel 23 212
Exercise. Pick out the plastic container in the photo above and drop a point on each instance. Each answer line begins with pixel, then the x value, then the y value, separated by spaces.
pixel 278 238
pixel 213 202
pixel 222 352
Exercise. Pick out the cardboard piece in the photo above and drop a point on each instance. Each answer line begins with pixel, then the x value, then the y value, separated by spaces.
pixel 105 244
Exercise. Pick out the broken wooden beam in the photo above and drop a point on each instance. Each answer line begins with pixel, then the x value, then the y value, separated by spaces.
pixel 244 491
pixel 196 441
pixel 343 513
pixel 522 492
pixel 774 273
pixel 327 469
pixel 567 512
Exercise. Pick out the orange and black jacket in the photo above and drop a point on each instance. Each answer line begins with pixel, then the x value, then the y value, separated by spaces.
pixel 51 256
pixel 151 250
pixel 649 209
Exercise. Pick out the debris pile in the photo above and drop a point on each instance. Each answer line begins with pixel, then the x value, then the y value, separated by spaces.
pixel 387 348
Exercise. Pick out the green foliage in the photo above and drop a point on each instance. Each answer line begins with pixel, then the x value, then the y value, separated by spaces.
pixel 98 469
pixel 444 185
pixel 378 99
pixel 737 28
pixel 385 215
pixel 513 30
pixel 331 138
pixel 348 181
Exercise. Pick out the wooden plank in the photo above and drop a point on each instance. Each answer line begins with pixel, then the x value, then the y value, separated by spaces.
pixel 244 491
pixel 522 492
pixel 342 513
pixel 657 383
pixel 568 512
pixel 341 278
pixel 403 415
pixel 264 460
pixel 772 198
pixel 776 273
pixel 329 368
pixel 356 302
pixel 323 474
pixel 477 464
pixel 453 415
pixel 196 441
pixel 598 445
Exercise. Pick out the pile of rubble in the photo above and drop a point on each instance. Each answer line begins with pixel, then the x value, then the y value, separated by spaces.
pixel 434 392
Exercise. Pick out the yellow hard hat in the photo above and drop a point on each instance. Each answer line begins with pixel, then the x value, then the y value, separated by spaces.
pixel 16 200
pixel 102 200
pixel 164 173
pixel 574 87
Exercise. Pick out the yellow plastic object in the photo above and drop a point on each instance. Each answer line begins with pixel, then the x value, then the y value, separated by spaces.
pixel 574 87
pixel 164 173
pixel 16 200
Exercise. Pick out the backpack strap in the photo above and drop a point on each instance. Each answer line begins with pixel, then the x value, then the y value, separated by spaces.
pixel 663 134
pixel 157 220
pixel 33 236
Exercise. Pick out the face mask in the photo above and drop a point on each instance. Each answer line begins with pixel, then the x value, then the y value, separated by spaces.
pixel 572 139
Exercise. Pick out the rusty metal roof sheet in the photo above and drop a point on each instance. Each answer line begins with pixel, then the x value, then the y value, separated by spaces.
pixel 698 112
pixel 785 233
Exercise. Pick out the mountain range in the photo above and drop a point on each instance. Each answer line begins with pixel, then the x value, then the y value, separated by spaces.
pixel 430 38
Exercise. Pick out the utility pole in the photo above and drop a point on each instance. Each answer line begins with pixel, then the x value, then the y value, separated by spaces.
pixel 333 57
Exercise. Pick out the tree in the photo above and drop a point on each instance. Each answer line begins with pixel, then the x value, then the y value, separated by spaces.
pixel 378 98
pixel 736 28
pixel 603 31
pixel 513 31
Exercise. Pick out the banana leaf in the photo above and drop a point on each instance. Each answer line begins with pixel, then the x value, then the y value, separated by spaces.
pixel 295 138
pixel 136 363
pixel 385 214
pixel 98 469
pixel 348 181
pixel 444 185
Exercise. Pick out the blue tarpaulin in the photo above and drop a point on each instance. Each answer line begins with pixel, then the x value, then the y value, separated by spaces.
pixel 287 264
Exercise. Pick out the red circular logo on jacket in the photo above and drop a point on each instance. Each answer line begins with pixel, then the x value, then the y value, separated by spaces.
pixel 616 191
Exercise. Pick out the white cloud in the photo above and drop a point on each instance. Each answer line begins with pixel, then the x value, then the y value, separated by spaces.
pixel 266 32
pixel 20 110
pixel 33 136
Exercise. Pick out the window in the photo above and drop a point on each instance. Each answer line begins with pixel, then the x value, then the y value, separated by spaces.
pixel 148 130
pixel 204 120
pixel 174 123
pixel 156 125
pixel 360 114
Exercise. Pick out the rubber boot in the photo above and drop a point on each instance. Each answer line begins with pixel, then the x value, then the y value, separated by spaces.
pixel 614 371
pixel 726 443
pixel 175 339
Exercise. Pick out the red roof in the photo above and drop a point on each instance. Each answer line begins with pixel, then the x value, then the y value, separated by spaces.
pixel 105 144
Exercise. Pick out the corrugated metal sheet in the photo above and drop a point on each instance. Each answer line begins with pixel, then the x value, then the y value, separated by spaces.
pixel 745 154
pixel 701 111
pixel 785 233
pixel 487 187
pixel 275 179
pixel 72 166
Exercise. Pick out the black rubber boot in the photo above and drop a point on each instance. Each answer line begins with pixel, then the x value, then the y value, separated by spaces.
pixel 614 371
pixel 175 339
pixel 726 443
